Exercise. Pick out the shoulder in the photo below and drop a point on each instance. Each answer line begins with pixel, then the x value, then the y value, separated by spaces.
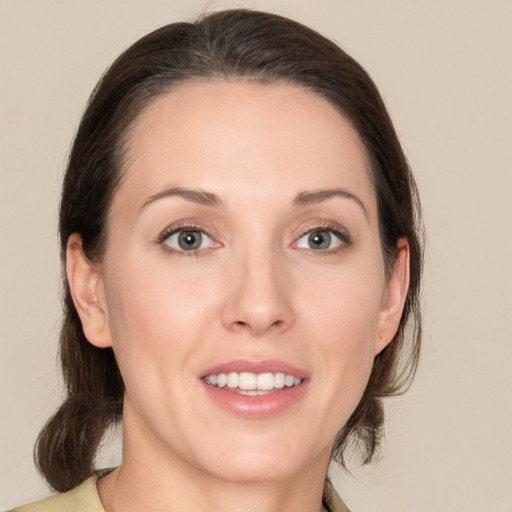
pixel 83 498
pixel 331 499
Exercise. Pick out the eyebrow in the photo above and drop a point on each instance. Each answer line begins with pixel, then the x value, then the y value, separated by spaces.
pixel 308 198
pixel 210 199
pixel 194 195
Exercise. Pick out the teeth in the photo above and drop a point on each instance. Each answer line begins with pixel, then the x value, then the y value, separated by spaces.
pixel 279 380
pixel 251 392
pixel 252 384
pixel 232 381
pixel 222 379
pixel 247 381
pixel 265 381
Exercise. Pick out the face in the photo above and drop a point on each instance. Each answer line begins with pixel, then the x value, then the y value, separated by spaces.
pixel 243 286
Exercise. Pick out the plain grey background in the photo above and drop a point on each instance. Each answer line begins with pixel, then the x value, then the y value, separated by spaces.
pixel 444 69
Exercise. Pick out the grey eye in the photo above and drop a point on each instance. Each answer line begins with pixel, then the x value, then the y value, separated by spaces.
pixel 319 239
pixel 188 240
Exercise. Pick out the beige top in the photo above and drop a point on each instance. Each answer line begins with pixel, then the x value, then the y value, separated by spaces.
pixel 84 498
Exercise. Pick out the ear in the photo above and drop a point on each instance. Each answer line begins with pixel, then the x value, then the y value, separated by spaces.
pixel 394 296
pixel 86 285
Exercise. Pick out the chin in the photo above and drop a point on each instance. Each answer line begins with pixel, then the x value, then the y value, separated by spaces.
pixel 256 471
pixel 271 462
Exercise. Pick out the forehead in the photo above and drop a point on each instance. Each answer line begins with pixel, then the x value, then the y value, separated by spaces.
pixel 237 138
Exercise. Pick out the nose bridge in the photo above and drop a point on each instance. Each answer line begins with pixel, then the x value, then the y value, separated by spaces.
pixel 258 300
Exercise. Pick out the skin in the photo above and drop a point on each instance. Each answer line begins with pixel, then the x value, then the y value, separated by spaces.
pixel 255 290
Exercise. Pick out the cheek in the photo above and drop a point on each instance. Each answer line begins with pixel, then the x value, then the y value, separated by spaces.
pixel 343 318
pixel 345 304
pixel 349 344
pixel 159 317
pixel 151 318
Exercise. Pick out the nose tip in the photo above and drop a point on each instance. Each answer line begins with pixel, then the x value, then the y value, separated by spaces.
pixel 258 301
pixel 258 327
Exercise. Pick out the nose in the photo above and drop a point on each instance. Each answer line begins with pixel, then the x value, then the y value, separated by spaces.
pixel 258 296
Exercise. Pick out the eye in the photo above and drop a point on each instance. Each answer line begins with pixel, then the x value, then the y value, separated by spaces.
pixel 187 240
pixel 319 240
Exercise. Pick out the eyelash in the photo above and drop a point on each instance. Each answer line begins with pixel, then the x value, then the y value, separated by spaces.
pixel 334 229
pixel 177 229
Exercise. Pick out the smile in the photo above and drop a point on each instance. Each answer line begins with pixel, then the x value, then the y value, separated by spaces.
pixel 252 384
pixel 255 389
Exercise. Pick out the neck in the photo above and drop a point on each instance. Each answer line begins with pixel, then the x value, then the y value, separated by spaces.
pixel 119 492
pixel 153 478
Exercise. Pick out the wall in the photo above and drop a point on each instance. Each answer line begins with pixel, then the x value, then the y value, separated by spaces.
pixel 444 69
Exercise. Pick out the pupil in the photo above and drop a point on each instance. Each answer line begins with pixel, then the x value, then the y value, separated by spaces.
pixel 189 240
pixel 320 240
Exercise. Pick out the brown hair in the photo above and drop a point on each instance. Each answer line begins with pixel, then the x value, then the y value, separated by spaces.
pixel 259 47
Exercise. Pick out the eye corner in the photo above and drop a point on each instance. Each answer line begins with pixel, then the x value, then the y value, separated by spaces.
pixel 186 240
pixel 330 239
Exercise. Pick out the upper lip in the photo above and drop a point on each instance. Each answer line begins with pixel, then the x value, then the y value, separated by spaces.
pixel 256 366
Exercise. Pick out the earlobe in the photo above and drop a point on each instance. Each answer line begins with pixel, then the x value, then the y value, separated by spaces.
pixel 394 296
pixel 86 286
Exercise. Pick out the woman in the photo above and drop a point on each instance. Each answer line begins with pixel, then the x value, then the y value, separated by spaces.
pixel 240 235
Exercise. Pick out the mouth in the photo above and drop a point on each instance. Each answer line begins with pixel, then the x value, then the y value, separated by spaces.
pixel 252 384
pixel 255 389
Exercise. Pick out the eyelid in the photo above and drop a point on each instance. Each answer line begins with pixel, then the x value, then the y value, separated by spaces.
pixel 205 239
pixel 321 225
pixel 336 229
pixel 178 227
pixel 188 224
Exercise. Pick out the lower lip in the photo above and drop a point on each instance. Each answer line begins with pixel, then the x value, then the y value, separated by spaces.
pixel 261 406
